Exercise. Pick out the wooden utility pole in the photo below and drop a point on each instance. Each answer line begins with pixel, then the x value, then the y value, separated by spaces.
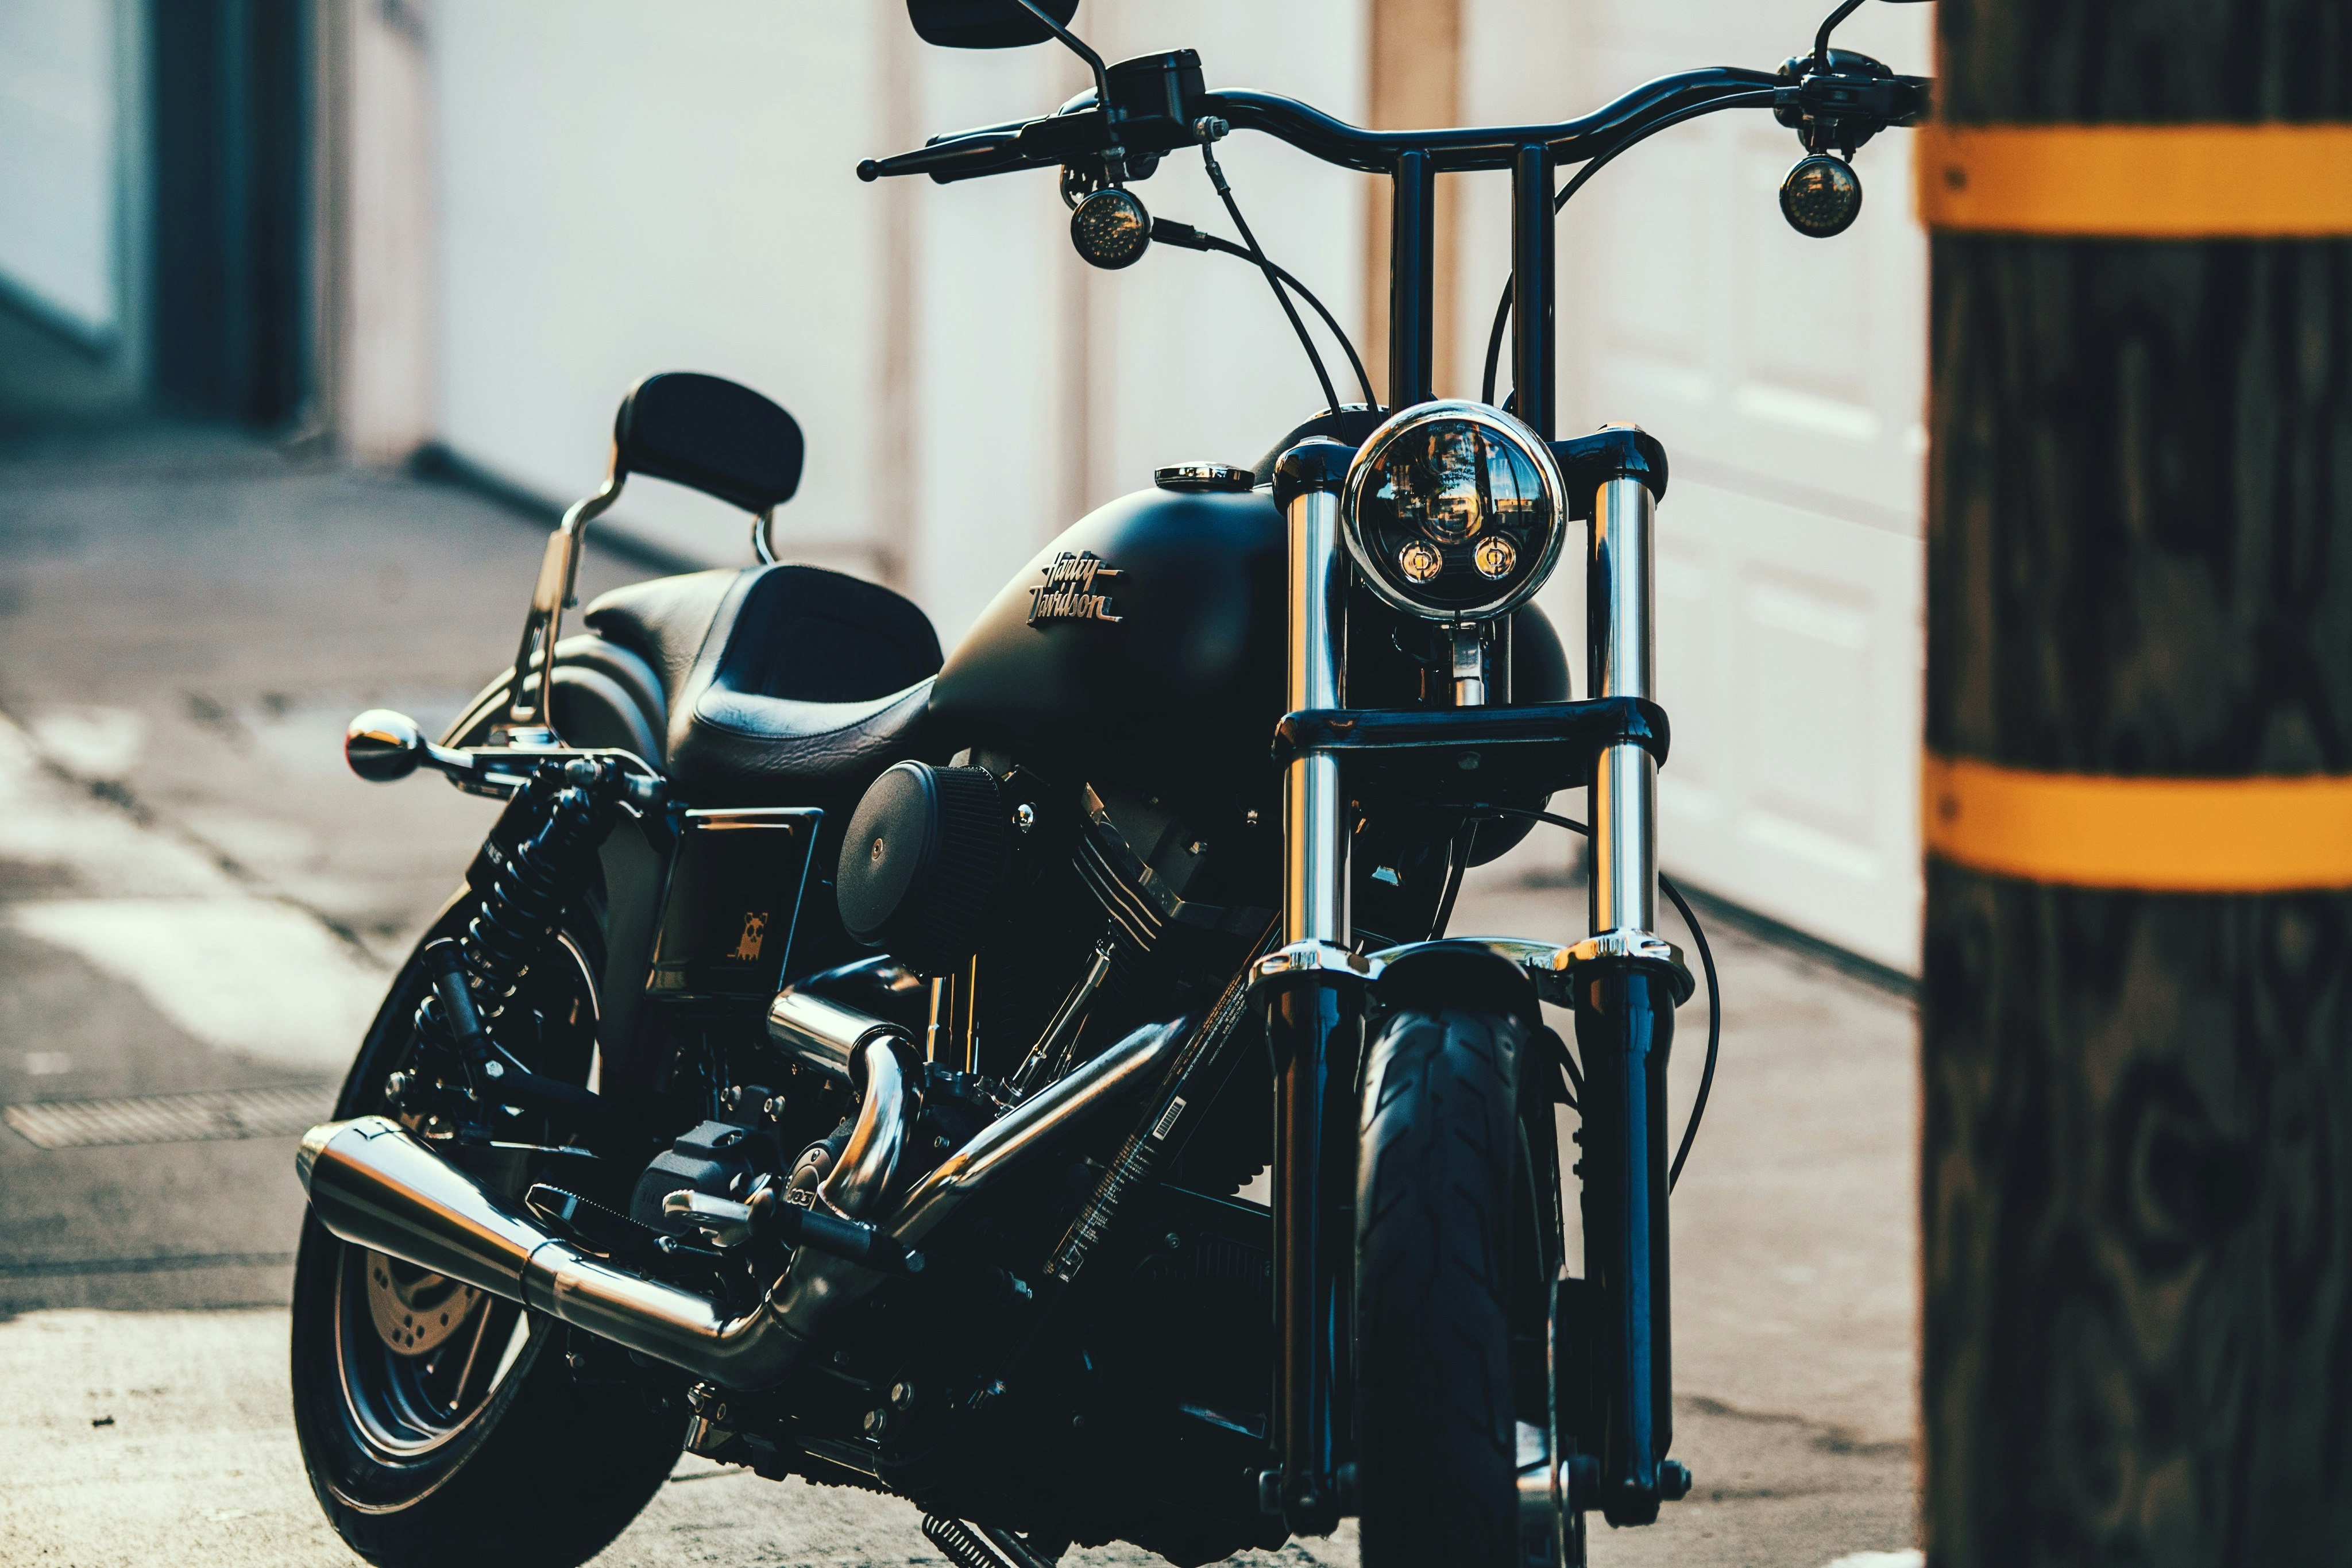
pixel 2136 1178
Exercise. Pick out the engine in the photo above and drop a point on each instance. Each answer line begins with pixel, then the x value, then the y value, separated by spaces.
pixel 1043 950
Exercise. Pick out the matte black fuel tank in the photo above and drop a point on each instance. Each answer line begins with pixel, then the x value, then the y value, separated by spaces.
pixel 1149 637
pixel 1150 643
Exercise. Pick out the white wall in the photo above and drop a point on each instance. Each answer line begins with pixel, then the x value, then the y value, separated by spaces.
pixel 61 128
pixel 1189 355
pixel 1787 378
pixel 625 190
pixel 383 241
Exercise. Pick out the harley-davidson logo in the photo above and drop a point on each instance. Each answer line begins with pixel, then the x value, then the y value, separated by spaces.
pixel 1067 594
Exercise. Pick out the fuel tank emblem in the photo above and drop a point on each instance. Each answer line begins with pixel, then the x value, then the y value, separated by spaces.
pixel 1067 594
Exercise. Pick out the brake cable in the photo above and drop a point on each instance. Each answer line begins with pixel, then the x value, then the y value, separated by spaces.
pixel 1743 98
pixel 1706 962
pixel 1209 130
pixel 1184 237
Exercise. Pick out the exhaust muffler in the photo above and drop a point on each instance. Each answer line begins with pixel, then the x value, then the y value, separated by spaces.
pixel 375 1184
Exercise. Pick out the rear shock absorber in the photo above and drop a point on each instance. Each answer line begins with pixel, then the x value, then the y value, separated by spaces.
pixel 535 888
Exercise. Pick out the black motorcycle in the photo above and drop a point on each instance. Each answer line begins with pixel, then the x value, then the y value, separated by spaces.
pixel 850 1064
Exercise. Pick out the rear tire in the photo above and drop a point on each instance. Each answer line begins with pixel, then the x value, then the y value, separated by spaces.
pixel 527 1467
pixel 1436 1441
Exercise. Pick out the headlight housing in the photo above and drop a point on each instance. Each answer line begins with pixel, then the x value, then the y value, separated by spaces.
pixel 1454 512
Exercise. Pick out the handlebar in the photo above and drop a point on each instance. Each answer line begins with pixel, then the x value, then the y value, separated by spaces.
pixel 1079 130
pixel 1335 141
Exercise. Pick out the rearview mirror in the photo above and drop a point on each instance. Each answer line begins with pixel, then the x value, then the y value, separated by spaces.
pixel 709 435
pixel 986 24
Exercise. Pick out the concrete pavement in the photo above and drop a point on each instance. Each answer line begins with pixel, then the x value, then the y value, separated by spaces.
pixel 194 896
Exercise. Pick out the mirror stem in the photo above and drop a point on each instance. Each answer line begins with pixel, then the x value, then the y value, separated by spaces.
pixel 1829 26
pixel 1078 47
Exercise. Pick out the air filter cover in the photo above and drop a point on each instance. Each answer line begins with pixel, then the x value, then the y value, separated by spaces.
pixel 922 862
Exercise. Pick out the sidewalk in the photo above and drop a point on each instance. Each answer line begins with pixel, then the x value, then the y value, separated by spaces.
pixel 193 895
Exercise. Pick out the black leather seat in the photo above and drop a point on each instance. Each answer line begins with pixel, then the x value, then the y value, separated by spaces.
pixel 787 685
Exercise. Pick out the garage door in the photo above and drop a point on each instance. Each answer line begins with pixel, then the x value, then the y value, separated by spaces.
pixel 1787 378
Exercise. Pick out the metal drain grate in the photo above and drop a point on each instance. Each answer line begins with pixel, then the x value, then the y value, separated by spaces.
pixel 209 1116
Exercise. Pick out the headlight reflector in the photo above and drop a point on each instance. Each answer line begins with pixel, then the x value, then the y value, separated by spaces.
pixel 1420 560
pixel 1453 511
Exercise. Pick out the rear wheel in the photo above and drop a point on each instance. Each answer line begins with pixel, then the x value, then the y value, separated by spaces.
pixel 440 1424
pixel 1445 1207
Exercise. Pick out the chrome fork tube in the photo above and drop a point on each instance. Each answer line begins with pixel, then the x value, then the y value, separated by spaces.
pixel 1625 1032
pixel 1315 825
pixel 1622 662
pixel 1312 1021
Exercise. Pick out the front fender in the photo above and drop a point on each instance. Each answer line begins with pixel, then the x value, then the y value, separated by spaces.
pixel 1461 971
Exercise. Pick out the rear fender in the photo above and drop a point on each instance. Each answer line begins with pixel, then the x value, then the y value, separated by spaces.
pixel 604 696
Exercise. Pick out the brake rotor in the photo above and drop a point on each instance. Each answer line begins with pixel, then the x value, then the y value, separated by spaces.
pixel 415 1312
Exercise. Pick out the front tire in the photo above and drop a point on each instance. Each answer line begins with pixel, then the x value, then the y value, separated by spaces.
pixel 1440 1153
pixel 475 1446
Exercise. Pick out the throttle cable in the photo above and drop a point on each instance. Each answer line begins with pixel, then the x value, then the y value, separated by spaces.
pixel 1184 237
pixel 1745 98
pixel 1225 192
pixel 1706 962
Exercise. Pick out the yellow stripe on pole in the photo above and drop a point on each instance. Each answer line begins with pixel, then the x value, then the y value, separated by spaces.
pixel 2267 181
pixel 2187 836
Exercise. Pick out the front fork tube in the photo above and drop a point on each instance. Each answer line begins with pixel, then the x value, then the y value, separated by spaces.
pixel 1315 1029
pixel 1624 1029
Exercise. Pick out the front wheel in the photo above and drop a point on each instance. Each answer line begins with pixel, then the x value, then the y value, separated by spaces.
pixel 441 1425
pixel 1446 1207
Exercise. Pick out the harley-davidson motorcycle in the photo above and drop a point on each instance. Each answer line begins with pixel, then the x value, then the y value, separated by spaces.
pixel 854 1064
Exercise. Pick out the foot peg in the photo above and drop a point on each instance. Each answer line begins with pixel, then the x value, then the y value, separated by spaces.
pixel 616 1234
pixel 727 1224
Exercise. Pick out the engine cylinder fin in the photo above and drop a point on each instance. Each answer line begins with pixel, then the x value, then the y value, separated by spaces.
pixel 1138 925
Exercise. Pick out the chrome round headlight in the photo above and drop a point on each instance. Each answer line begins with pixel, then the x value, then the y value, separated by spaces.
pixel 1453 511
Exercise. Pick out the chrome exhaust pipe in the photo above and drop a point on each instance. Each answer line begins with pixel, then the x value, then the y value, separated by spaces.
pixel 375 1184
pixel 818 1283
pixel 823 1034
